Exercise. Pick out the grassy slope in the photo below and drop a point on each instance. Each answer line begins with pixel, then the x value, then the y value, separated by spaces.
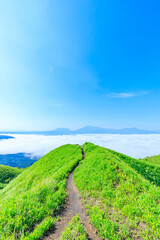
pixel 121 204
pixel 148 170
pixel 74 231
pixel 7 174
pixel 153 160
pixel 37 193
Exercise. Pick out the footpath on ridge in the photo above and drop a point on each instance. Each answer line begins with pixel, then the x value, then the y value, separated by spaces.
pixel 72 207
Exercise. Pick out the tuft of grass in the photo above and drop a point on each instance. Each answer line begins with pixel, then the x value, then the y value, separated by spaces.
pixel 120 203
pixel 41 228
pixel 37 193
pixel 75 230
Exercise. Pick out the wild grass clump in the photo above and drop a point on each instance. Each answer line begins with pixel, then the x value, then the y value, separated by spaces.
pixel 75 230
pixel 40 229
pixel 37 193
pixel 121 204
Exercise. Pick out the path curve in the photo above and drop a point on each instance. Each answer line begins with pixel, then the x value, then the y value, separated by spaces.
pixel 72 208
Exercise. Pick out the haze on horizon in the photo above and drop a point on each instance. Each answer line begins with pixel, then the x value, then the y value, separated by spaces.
pixel 77 63
pixel 137 146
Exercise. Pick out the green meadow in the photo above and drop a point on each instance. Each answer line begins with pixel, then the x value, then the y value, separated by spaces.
pixel 120 194
pixel 121 204
pixel 30 201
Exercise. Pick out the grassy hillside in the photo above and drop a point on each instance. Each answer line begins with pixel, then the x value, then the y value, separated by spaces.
pixel 121 204
pixel 7 174
pixel 153 160
pixel 148 170
pixel 28 203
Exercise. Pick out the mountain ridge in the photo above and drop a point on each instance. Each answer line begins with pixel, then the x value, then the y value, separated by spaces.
pixel 84 130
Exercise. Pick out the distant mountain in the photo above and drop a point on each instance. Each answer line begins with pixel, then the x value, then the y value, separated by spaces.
pixel 134 131
pixel 93 130
pixel 86 130
pixel 5 137
pixel 99 130
pixel 58 131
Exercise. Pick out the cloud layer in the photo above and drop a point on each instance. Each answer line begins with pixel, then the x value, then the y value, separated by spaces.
pixel 137 146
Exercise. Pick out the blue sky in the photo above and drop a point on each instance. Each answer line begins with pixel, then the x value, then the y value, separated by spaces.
pixel 71 63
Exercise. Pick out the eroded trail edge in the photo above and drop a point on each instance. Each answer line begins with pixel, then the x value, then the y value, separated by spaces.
pixel 71 209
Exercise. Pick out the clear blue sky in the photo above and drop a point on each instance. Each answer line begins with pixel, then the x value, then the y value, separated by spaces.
pixel 70 63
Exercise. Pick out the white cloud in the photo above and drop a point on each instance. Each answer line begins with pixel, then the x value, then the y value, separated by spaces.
pixel 127 94
pixel 133 145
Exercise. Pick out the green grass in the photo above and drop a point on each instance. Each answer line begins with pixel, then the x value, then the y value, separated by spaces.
pixel 153 160
pixel 148 170
pixel 40 229
pixel 2 185
pixel 74 231
pixel 7 174
pixel 121 204
pixel 36 194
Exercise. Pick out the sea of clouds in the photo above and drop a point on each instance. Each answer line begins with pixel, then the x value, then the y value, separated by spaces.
pixel 137 146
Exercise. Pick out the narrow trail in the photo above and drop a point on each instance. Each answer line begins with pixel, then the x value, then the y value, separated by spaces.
pixel 71 209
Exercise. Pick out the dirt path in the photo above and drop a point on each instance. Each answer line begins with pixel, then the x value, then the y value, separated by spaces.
pixel 72 208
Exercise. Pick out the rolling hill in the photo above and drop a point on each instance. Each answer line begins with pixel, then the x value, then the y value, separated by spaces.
pixel 147 169
pixel 120 203
pixel 153 160
pixel 7 174
pixel 37 194
pixel 119 200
